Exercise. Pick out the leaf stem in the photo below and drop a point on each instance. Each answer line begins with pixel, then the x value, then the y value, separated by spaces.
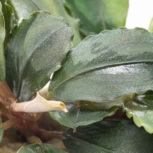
pixel 10 123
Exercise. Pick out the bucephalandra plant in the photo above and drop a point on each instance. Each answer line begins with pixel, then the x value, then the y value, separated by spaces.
pixel 102 76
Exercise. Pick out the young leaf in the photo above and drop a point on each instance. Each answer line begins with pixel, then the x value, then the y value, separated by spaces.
pixel 1 131
pixel 35 50
pixel 109 137
pixel 98 15
pixel 23 9
pixel 77 116
pixel 141 109
pixel 36 148
pixel 151 26
pixel 2 38
pixel 106 66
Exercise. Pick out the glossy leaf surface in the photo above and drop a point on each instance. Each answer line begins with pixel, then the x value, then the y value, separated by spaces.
pixel 106 66
pixel 78 116
pixel 98 15
pixel 36 148
pixel 109 137
pixel 2 38
pixel 1 131
pixel 23 9
pixel 36 49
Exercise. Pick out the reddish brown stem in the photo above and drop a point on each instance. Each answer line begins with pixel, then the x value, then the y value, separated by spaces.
pixel 30 129
pixel 47 135
pixel 6 95
pixel 7 98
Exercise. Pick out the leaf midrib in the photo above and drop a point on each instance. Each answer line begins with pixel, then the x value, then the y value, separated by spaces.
pixel 97 68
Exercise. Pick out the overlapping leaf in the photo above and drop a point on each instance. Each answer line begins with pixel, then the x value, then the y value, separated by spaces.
pixel 98 15
pixel 35 50
pixel 109 70
pixel 109 137
pixel 106 66
pixel 85 112
pixel 2 38
pixel 23 9
pixel 36 148
pixel 140 107
pixel 78 116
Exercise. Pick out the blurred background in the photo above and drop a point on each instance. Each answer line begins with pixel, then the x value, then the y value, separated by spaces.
pixel 140 14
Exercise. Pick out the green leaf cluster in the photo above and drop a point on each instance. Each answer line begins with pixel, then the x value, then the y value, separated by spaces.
pixel 96 76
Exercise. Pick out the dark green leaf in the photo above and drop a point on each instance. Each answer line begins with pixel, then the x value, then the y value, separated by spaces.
pixel 109 137
pixel 78 116
pixel 36 148
pixel 97 15
pixel 36 49
pixel 24 8
pixel 1 131
pixel 106 66
pixel 2 38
